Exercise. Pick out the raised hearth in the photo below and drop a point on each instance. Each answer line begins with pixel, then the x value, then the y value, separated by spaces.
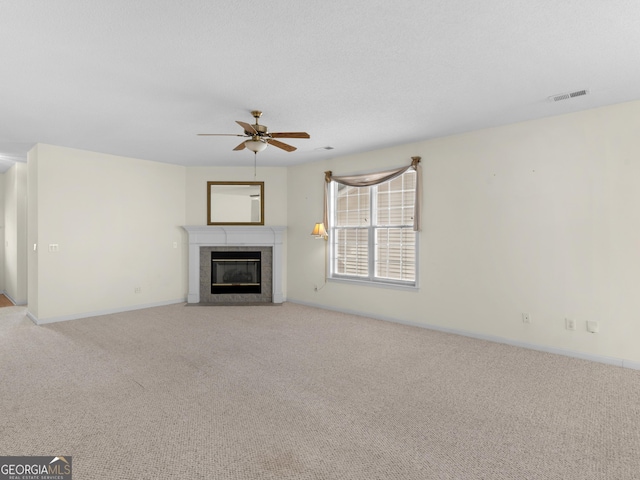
pixel 203 240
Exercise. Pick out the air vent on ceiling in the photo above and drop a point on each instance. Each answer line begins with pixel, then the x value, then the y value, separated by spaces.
pixel 567 96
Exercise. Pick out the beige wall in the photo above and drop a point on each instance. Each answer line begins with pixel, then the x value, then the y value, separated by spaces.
pixel 275 190
pixel 115 221
pixel 15 233
pixel 2 232
pixel 32 232
pixel 540 217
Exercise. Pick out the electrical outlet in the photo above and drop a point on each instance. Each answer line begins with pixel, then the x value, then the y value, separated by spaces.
pixel 526 318
pixel 138 290
pixel 593 327
pixel 570 323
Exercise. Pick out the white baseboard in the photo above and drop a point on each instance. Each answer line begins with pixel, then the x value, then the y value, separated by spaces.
pixel 630 364
pixel 620 362
pixel 64 318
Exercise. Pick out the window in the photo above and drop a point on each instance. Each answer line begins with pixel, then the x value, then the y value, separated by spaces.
pixel 372 231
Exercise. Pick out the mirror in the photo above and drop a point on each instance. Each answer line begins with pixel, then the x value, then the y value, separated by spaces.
pixel 235 203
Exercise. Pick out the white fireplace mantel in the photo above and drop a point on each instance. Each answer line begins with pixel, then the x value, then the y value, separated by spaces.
pixel 214 236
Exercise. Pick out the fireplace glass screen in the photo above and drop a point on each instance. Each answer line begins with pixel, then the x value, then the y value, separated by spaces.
pixel 235 272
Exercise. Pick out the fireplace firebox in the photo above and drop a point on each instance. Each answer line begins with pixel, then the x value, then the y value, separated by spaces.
pixel 235 272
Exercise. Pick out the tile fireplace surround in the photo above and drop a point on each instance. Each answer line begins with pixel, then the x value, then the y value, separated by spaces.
pixel 249 236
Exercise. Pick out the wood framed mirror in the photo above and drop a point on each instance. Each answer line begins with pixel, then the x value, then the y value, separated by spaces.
pixel 235 203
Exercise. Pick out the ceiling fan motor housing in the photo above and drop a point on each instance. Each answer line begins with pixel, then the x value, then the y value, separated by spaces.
pixel 260 130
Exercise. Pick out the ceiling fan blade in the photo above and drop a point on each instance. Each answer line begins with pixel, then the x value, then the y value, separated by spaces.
pixel 220 135
pixel 247 128
pixel 283 146
pixel 290 135
pixel 239 147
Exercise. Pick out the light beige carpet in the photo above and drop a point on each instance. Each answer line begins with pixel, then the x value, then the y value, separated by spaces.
pixel 301 393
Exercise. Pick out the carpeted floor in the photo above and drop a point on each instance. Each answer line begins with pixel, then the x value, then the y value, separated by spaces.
pixel 301 393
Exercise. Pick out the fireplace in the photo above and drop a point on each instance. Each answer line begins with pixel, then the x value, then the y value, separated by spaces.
pixel 235 272
pixel 206 243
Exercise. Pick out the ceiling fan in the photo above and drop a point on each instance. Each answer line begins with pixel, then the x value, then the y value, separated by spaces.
pixel 259 136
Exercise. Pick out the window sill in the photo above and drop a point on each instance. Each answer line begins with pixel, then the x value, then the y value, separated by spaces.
pixel 368 283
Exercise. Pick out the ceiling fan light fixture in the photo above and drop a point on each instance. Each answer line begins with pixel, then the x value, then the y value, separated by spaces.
pixel 255 145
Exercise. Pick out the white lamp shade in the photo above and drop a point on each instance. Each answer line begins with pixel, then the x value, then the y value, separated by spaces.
pixel 255 145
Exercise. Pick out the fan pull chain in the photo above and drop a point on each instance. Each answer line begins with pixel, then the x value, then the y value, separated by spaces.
pixel 255 156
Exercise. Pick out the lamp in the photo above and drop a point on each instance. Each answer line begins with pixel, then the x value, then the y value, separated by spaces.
pixel 319 231
pixel 255 145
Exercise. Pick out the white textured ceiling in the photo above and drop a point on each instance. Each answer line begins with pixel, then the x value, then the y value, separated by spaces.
pixel 141 78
